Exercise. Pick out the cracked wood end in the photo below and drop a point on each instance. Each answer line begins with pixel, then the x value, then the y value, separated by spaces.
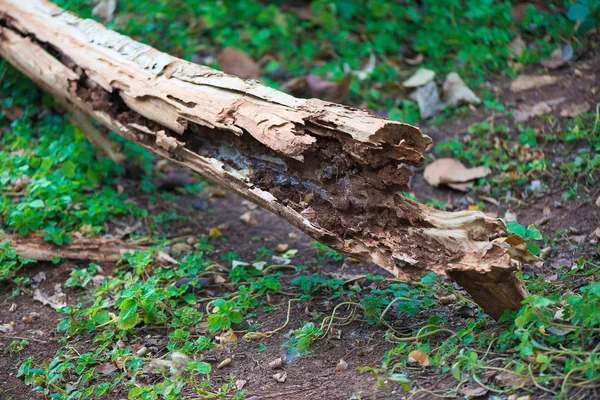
pixel 335 172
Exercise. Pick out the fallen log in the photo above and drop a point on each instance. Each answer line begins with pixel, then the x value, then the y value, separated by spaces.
pixel 335 172
pixel 83 248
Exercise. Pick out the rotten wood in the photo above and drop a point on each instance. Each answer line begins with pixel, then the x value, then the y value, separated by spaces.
pixel 335 172
pixel 84 248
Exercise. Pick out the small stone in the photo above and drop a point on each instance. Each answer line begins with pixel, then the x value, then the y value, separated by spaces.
pixel 466 312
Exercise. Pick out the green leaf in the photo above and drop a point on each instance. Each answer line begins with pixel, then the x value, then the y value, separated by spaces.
pixel 68 169
pixel 577 11
pixel 585 26
pixel 128 317
pixel 201 367
pixel 102 317
pixel 532 233
pixel 516 228
pixel 37 204
pixel 190 298
pixel 236 317
pixel 534 249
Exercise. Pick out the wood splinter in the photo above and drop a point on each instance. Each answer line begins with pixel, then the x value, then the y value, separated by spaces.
pixel 335 172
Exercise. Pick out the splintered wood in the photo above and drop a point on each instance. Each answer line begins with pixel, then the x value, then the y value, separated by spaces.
pixel 335 172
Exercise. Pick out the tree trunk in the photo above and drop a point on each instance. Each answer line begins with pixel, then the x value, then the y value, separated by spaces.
pixel 335 172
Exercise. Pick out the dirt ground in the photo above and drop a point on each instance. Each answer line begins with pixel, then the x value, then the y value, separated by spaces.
pixel 361 344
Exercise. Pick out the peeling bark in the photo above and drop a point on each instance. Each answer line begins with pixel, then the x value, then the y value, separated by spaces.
pixel 335 172
pixel 96 249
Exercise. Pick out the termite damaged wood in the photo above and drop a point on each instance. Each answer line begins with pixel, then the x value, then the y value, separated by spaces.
pixel 335 172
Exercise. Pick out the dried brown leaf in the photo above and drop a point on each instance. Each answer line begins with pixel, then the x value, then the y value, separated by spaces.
pixel 323 89
pixel 235 62
pixel 105 10
pixel 57 301
pixel 456 92
pixel 526 82
pixel 342 365
pixel 420 357
pixel 277 363
pixel 574 109
pixel 449 170
pixel 280 377
pixel 420 78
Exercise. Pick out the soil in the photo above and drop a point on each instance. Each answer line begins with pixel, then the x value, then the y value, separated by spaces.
pixel 361 344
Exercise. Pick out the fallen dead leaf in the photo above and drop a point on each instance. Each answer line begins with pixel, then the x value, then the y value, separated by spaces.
pixel 507 380
pixel 240 383
pixel 554 61
pixel 342 365
pixel 526 112
pixel 323 89
pixel 367 70
pixel 159 364
pixel 517 248
pixel 165 260
pixel 282 247
pixel 227 337
pixel 218 193
pixel 179 359
pixel 420 78
pixel 518 11
pixel 446 300
pixel 235 62
pixel 490 200
pixel 428 99
pixel 13 112
pixel 214 232
pixel 416 60
pixel 526 82
pixel 57 301
pixel 106 368
pixel 277 363
pixel 456 91
pixel 517 46
pixel 20 183
pixel 574 109
pixel 105 10
pixel 469 392
pixel 248 218
pixel 461 187
pixel 174 180
pixel 280 376
pixel 449 170
pixel 420 357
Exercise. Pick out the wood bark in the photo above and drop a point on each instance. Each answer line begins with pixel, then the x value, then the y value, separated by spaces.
pixel 335 172
pixel 96 249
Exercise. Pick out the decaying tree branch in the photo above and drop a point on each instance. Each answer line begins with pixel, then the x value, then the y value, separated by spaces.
pixel 335 172
pixel 96 249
